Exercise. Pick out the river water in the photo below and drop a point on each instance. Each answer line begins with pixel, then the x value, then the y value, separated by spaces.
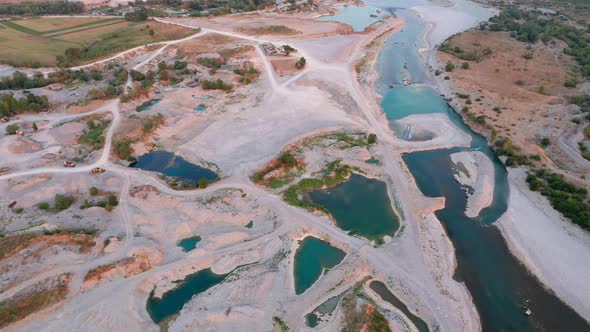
pixel 500 285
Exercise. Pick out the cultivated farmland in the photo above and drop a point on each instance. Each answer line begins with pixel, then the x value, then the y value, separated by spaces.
pixel 38 41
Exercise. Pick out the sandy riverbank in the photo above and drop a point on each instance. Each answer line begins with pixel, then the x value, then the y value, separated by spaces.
pixel 553 248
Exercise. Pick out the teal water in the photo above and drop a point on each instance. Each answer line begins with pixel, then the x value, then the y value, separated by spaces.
pixel 172 301
pixel 200 108
pixel 360 206
pixel 402 101
pixel 189 244
pixel 499 284
pixel 384 292
pixel 373 161
pixel 169 164
pixel 311 258
pixel 359 18
pixel 313 318
pixel 147 105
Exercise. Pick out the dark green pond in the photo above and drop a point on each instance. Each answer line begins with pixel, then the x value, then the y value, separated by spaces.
pixel 311 258
pixel 170 164
pixel 381 289
pixel 172 301
pixel 189 244
pixel 360 206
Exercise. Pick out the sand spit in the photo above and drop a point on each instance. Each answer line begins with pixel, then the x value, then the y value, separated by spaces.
pixel 445 133
pixel 475 172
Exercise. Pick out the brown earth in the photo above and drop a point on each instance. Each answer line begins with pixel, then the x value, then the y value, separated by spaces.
pixel 10 245
pixel 520 99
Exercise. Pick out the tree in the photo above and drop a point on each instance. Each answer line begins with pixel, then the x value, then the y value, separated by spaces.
pixel 139 14
pixel 93 191
pixel 136 75
pixel 372 139
pixel 162 65
pixel 300 63
pixel 62 202
pixel 203 183
pixel 35 128
pixel 152 33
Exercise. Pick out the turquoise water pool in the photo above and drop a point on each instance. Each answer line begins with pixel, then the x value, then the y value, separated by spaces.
pixel 312 257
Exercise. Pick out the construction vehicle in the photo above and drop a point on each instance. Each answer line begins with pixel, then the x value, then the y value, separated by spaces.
pixel 68 163
pixel 97 170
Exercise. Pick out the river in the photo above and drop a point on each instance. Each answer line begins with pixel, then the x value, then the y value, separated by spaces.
pixel 500 285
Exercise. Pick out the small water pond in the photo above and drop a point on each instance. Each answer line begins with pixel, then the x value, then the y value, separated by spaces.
pixel 172 165
pixel 360 206
pixel 173 300
pixel 200 108
pixel 190 243
pixel 147 105
pixel 312 257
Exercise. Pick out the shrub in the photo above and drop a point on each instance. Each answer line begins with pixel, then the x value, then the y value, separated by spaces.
pixel 12 129
pixel 300 64
pixel 203 183
pixel 63 202
pixel 465 65
pixel 123 148
pixel 570 84
pixel 93 191
pixel 19 210
pixel 43 205
pixel 372 139
pixel 545 142
pixel 216 85
pixel 449 67
pixel 112 200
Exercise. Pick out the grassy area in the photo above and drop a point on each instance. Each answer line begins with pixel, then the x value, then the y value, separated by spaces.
pixel 334 174
pixel 37 42
pixel 11 244
pixel 94 135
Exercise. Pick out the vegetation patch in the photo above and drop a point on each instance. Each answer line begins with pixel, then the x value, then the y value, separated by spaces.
pixel 360 313
pixel 22 306
pixel 93 137
pixel 280 171
pixel 564 196
pixel 532 26
pixel 333 174
pixel 269 30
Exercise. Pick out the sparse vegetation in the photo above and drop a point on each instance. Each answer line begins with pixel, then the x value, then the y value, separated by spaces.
pixel 12 129
pixel 123 148
pixel 219 84
pixel 277 321
pixel 93 137
pixel 63 202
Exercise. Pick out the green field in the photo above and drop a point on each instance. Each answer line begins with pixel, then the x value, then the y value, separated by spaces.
pixel 38 41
